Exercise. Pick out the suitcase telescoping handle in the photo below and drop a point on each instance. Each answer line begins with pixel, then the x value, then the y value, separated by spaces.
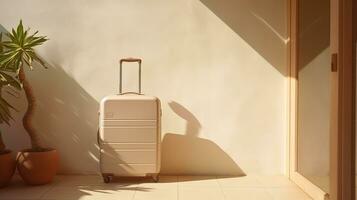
pixel 138 60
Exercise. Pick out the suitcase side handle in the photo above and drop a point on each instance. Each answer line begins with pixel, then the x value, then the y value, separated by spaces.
pixel 138 60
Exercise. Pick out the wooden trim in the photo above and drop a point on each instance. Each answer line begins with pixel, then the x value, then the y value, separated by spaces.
pixel 311 189
pixel 342 122
pixel 334 175
pixel 354 71
pixel 288 72
pixel 347 104
pixel 307 186
pixel 293 85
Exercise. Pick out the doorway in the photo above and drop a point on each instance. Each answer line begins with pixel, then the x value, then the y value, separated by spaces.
pixel 322 89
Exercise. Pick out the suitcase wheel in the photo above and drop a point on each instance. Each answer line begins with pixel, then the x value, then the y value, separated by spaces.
pixel 107 178
pixel 155 177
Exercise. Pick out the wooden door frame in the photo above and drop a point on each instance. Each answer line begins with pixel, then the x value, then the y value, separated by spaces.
pixel 342 132
pixel 314 191
pixel 342 165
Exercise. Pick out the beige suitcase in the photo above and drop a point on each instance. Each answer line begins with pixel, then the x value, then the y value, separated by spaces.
pixel 129 133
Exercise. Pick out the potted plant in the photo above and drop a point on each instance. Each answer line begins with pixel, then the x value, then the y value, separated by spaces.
pixel 37 165
pixel 7 161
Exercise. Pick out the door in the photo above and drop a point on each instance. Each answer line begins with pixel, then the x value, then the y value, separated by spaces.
pixel 311 96
pixel 342 133
pixel 322 98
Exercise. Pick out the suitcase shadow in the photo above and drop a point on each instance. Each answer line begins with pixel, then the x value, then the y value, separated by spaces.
pixel 190 155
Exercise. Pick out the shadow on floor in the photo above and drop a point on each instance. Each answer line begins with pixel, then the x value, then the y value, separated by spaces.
pixel 70 187
pixel 188 154
pixel 87 187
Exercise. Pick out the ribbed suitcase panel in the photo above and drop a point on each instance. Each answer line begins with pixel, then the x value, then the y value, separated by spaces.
pixel 129 109
pixel 129 146
pixel 115 123
pixel 128 156
pixel 128 134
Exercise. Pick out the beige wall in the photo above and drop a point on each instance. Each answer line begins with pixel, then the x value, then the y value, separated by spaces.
pixel 223 100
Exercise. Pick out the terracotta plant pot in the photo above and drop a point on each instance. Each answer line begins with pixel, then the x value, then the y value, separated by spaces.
pixel 37 168
pixel 7 168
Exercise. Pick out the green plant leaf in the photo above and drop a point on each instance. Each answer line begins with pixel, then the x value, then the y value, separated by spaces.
pixel 36 41
pixel 35 57
pixel 9 58
pixel 20 32
pixel 10 36
pixel 16 50
pixel 8 80
pixel 20 49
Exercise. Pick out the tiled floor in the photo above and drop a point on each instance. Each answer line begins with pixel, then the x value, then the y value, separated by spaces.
pixel 249 187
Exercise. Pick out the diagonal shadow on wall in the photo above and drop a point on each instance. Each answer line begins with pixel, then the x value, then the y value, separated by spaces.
pixel 263 25
pixel 66 117
pixel 314 30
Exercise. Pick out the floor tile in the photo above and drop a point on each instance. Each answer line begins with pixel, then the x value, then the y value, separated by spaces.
pixel 165 182
pixel 200 194
pixel 156 194
pixel 247 194
pixel 237 182
pixel 251 187
pixel 190 182
pixel 17 189
pixel 90 192
pixel 288 193
pixel 78 180
pixel 275 181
